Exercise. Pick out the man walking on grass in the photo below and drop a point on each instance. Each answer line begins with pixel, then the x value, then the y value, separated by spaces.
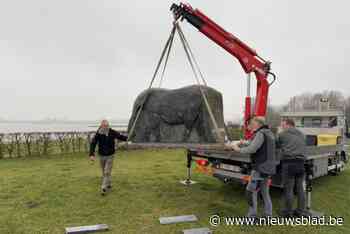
pixel 105 139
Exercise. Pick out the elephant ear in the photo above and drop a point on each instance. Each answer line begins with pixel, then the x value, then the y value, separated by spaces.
pixel 180 108
pixel 170 115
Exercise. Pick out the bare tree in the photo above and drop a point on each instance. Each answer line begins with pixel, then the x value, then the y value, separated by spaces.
pixel 313 101
pixel 2 146
pixel 347 108
pixel 273 116
pixel 43 143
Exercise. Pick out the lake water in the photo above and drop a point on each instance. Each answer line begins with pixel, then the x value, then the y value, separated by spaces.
pixel 10 127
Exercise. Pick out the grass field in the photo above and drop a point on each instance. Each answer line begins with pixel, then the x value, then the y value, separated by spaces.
pixel 44 195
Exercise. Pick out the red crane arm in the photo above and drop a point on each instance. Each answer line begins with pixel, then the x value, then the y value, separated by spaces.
pixel 246 56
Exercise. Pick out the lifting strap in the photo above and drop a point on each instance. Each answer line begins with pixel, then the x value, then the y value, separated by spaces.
pixel 192 57
pixel 191 61
pixel 170 40
pixel 167 55
pixel 195 68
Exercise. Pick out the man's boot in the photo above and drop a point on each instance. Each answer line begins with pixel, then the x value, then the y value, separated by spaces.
pixel 103 191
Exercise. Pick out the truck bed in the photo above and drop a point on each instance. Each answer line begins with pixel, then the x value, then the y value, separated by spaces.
pixel 312 152
pixel 319 156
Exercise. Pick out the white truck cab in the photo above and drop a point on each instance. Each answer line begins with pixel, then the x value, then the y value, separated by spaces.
pixel 322 127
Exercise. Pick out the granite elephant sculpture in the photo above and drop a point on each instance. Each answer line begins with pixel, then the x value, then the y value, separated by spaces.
pixel 176 116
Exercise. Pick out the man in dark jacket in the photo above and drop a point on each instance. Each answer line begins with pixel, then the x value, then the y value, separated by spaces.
pixel 291 141
pixel 105 139
pixel 262 150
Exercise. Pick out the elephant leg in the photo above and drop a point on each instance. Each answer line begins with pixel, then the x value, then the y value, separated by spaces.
pixel 200 126
pixel 155 127
pixel 192 126
pixel 186 134
pixel 190 119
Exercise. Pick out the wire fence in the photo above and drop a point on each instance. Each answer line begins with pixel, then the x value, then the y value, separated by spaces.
pixel 16 145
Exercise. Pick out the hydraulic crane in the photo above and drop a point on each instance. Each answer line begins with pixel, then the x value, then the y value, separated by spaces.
pixel 230 166
pixel 247 57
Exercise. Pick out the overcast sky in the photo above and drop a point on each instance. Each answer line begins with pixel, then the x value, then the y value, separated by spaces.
pixel 90 59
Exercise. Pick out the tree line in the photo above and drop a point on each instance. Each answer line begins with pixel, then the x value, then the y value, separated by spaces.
pixel 319 101
pixel 14 145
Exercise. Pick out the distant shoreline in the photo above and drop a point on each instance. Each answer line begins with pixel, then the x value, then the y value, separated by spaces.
pixel 62 121
pixel 112 125
pixel 31 126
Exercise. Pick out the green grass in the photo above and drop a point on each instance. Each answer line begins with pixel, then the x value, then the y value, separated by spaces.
pixel 44 195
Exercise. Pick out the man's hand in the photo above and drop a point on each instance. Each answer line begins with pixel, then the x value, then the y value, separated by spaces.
pixel 92 157
pixel 228 146
pixel 235 147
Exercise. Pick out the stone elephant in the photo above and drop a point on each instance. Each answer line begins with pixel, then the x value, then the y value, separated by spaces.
pixel 176 116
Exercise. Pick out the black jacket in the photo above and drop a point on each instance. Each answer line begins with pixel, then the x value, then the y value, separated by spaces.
pixel 264 159
pixel 106 144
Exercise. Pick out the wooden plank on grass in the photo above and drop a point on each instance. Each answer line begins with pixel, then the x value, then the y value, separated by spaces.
pixel 197 231
pixel 178 219
pixel 87 229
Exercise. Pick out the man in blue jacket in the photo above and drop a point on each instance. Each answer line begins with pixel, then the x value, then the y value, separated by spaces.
pixel 105 139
